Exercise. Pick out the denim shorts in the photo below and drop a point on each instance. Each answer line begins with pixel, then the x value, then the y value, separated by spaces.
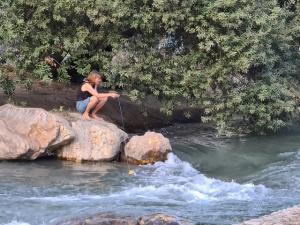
pixel 81 105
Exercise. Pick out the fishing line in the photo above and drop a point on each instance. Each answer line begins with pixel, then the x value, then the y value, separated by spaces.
pixel 130 171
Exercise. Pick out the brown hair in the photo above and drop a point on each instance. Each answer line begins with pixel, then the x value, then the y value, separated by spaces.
pixel 92 76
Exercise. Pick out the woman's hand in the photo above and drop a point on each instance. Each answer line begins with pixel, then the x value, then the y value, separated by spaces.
pixel 115 95
pixel 106 95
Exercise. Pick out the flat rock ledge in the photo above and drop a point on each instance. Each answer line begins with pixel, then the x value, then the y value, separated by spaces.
pixel 289 216
pixel 111 219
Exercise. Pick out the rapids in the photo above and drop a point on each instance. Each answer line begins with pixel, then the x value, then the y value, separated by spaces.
pixel 205 180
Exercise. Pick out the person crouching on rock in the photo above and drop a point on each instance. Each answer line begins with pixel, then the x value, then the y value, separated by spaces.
pixel 89 101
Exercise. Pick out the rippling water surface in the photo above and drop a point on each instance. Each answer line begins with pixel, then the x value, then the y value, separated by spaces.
pixel 205 180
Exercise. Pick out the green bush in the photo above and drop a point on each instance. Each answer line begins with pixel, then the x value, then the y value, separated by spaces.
pixel 233 58
pixel 7 84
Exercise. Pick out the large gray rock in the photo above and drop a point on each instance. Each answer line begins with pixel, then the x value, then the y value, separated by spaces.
pixel 95 141
pixel 109 219
pixel 29 133
pixel 12 144
pixel 149 148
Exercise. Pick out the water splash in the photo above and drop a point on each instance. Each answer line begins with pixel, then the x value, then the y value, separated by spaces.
pixel 15 223
pixel 179 178
pixel 176 182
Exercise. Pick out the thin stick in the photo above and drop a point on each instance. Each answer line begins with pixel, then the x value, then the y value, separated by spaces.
pixel 122 119
pixel 130 172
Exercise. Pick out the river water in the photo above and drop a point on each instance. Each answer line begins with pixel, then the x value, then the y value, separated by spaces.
pixel 205 180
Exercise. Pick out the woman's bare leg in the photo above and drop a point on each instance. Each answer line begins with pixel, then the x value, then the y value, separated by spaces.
pixel 99 105
pixel 92 103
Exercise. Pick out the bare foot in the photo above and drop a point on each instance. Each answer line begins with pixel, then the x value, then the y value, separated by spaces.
pixel 86 116
pixel 96 117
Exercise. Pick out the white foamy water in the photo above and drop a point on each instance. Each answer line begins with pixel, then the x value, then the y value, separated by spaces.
pixel 15 223
pixel 176 182
pixel 66 198
pixel 179 178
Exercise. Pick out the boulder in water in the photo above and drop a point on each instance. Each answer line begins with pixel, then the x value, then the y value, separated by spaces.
pixel 29 133
pixel 104 219
pixel 160 219
pixel 95 141
pixel 147 149
pixel 12 144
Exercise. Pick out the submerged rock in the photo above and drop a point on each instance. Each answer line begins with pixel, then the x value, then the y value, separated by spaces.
pixel 94 141
pixel 29 133
pixel 149 148
pixel 109 219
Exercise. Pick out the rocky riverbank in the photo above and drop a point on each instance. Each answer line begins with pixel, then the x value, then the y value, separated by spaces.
pixel 32 133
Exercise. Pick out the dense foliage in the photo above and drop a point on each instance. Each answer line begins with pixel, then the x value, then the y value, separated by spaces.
pixel 236 59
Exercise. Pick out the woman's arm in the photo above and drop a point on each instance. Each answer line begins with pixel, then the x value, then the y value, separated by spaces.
pixel 105 95
pixel 92 91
